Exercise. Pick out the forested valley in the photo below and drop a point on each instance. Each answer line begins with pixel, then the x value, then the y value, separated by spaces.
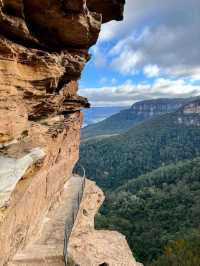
pixel 151 177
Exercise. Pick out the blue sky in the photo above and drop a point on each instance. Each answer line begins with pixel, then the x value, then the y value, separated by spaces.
pixel 153 53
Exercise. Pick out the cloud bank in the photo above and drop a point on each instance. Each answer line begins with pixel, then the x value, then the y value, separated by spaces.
pixel 128 93
pixel 162 33
pixel 158 41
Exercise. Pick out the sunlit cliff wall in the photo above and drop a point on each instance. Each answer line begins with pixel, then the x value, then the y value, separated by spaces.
pixel 43 49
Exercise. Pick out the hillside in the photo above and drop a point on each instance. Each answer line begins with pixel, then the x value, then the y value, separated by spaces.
pixel 185 249
pixel 126 119
pixel 160 141
pixel 151 175
pixel 155 208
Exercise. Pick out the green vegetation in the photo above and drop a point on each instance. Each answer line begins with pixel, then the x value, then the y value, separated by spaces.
pixel 126 119
pixel 155 208
pixel 157 142
pixel 115 124
pixel 184 252
pixel 151 176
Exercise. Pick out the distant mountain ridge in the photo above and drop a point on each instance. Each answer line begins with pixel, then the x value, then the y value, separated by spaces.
pixel 189 114
pixel 158 106
pixel 146 146
pixel 139 112
pixel 151 177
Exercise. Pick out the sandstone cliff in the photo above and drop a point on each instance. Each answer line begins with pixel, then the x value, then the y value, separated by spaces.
pixel 43 49
pixel 139 112
pixel 90 247
pixel 155 107
pixel 87 246
pixel 189 114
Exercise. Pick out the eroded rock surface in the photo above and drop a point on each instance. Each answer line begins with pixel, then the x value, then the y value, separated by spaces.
pixel 43 49
pixel 90 247
pixel 189 114
pixel 192 108
pixel 46 248
pixel 42 183
pixel 12 170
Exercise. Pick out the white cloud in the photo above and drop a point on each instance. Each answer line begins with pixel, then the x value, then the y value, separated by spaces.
pixel 127 62
pixel 133 15
pixel 157 38
pixel 151 71
pixel 128 93
pixel 141 12
pixel 165 34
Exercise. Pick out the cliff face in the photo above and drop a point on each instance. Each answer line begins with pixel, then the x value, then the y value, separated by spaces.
pixel 189 114
pixel 43 49
pixel 192 108
pixel 152 108
pixel 126 119
pixel 90 247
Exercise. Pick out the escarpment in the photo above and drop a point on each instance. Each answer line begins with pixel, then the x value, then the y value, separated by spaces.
pixel 189 114
pixel 43 50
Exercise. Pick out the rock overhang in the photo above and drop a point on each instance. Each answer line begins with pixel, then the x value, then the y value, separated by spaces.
pixel 43 50
pixel 55 25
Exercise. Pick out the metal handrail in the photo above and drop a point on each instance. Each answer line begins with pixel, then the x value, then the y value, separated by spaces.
pixel 71 221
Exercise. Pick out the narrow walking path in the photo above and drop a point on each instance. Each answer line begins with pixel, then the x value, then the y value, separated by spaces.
pixel 47 248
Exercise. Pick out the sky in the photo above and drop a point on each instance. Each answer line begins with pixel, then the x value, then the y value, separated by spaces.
pixel 153 53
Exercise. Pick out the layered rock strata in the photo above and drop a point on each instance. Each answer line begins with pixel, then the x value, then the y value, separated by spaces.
pixel 189 114
pixel 87 246
pixel 42 183
pixel 43 49
pixel 90 247
pixel 46 247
